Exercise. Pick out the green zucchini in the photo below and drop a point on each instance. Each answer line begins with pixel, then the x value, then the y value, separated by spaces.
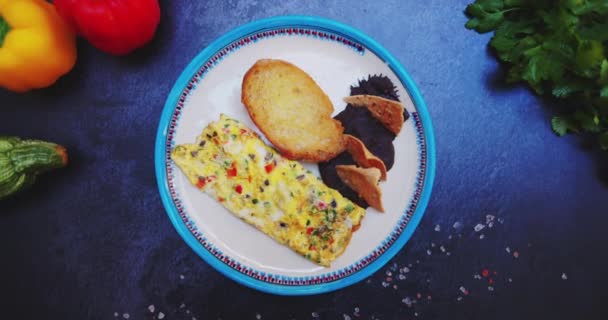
pixel 21 161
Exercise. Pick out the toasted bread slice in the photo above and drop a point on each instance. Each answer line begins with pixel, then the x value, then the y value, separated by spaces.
pixel 292 111
pixel 388 112
pixel 364 181
pixel 362 156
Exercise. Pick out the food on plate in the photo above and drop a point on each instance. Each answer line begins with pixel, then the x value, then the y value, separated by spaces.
pixel 278 196
pixel 36 45
pixel 388 112
pixel 21 161
pixel 360 123
pixel 292 111
pixel 362 156
pixel 115 27
pixel 364 181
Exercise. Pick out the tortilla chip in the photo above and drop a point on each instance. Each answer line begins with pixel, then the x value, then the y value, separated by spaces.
pixel 362 156
pixel 364 181
pixel 388 112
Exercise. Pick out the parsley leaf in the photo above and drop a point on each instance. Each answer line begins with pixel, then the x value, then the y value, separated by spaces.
pixel 558 48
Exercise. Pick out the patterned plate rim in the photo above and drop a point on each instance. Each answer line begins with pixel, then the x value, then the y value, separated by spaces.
pixel 211 55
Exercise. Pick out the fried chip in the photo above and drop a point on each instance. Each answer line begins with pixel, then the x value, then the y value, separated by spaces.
pixel 362 156
pixel 364 181
pixel 388 112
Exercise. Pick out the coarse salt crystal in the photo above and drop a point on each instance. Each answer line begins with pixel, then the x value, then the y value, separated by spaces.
pixel 115 314
pixel 315 315
pixel 449 237
pixel 564 276
pixel 407 301
pixel 437 228
pixel 481 236
pixel 151 308
pixel 490 288
pixel 384 284
pixel 181 306
pixel 464 290
pixel 401 277
pixel 510 280
pixel 442 248
pixel 258 316
pixel 478 227
pixel 428 252
pixel 457 225
pixel 448 253
pixel 161 315
pixel 459 298
pixel 346 317
pixel 508 249
pixel 388 273
pixel 356 309
pixel 404 270
pixel 187 311
pixel 126 315
pixel 181 276
pixel 476 276
pixel 415 314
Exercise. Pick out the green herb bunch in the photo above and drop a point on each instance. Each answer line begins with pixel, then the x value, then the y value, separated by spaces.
pixel 558 47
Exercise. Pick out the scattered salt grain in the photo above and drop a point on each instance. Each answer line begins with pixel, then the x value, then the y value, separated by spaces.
pixel 193 318
pixel 464 290
pixel 401 277
pixel 415 314
pixel 490 219
pixel 126 315
pixel 459 298
pixel 449 237
pixel 442 248
pixel 448 253
pixel 478 227
pixel 564 276
pixel 346 317
pixel 457 225
pixel 395 287
pixel 115 314
pixel 388 273
pixel 181 306
pixel 181 276
pixel 404 270
pixel 437 228
pixel 161 315
pixel 510 280
pixel 187 311
pixel 384 284
pixel 151 308
pixel 501 220
pixel 508 249
pixel 428 252
pixel 407 301
pixel 394 267
pixel 490 288
pixel 432 244
pixel 477 276
pixel 258 316
pixel 315 315
pixel 481 236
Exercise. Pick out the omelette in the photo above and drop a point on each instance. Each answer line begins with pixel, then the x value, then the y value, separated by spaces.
pixel 280 197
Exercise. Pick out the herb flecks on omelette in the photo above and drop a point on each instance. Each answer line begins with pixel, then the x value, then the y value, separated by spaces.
pixel 276 195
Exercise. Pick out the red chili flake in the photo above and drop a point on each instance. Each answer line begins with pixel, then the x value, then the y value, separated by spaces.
pixel 220 199
pixel 243 131
pixel 485 273
pixel 269 167
pixel 238 189
pixel 516 254
pixel 216 141
pixel 322 205
pixel 309 230
pixel 201 182
pixel 331 241
pixel 313 248
pixel 231 172
pixel 490 281
pixel 249 179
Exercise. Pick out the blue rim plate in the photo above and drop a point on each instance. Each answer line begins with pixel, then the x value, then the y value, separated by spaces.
pixel 232 268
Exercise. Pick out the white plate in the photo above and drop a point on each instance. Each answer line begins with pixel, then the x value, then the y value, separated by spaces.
pixel 336 56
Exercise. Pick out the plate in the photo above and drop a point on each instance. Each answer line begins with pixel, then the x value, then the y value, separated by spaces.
pixel 336 56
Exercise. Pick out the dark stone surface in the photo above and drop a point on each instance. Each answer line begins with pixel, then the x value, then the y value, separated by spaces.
pixel 94 239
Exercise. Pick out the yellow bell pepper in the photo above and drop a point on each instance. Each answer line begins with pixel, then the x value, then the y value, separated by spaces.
pixel 36 45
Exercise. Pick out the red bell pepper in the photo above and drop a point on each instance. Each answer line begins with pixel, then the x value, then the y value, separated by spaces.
pixel 113 26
